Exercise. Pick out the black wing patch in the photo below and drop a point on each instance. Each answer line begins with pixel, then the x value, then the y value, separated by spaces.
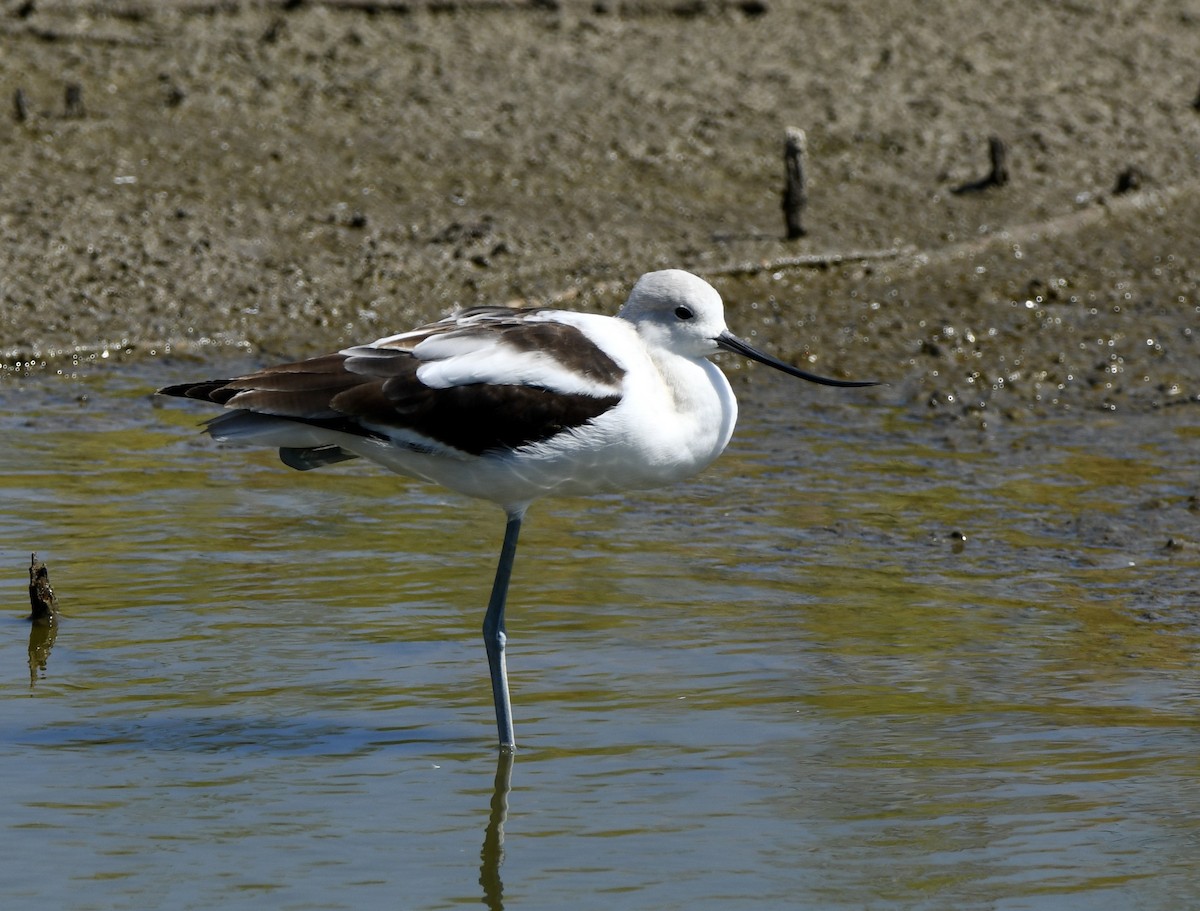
pixel 369 391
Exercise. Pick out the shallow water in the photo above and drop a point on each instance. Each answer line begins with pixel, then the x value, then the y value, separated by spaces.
pixel 866 661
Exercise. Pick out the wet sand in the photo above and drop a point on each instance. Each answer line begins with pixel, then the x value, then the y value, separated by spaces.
pixel 278 179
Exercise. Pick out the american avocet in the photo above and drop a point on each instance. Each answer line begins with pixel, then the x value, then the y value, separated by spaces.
pixel 511 405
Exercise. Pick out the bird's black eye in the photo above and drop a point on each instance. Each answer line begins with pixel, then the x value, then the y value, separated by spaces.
pixel 684 313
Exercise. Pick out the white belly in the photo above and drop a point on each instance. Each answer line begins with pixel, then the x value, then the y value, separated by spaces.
pixel 661 432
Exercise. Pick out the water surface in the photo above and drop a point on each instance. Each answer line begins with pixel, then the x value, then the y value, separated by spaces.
pixel 865 661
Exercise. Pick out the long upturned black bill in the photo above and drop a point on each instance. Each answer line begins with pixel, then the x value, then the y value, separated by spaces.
pixel 730 342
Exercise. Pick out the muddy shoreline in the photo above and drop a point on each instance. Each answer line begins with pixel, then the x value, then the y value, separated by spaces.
pixel 275 179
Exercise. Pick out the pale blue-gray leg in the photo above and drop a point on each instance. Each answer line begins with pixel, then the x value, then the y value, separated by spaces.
pixel 494 637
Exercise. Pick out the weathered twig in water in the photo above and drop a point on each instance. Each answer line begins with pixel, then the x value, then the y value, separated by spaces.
pixel 809 261
pixel 795 190
pixel 41 595
pixel 44 628
pixel 997 177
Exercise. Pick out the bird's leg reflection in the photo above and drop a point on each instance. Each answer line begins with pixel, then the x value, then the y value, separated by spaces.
pixel 491 855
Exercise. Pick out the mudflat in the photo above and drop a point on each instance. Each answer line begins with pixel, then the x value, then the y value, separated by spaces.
pixel 289 177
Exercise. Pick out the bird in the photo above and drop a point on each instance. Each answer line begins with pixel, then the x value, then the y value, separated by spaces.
pixel 510 405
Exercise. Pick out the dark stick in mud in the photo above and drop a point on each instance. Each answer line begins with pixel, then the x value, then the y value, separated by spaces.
pixel 795 191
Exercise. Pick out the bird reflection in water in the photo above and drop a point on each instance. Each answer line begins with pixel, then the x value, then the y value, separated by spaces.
pixel 491 855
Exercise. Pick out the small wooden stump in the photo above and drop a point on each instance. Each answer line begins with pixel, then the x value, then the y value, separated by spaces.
pixel 795 191
pixel 1130 180
pixel 41 595
pixel 73 101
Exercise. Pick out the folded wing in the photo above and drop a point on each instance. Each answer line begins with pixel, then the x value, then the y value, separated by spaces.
pixel 488 380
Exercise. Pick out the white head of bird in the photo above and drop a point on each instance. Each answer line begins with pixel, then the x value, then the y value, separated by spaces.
pixel 677 311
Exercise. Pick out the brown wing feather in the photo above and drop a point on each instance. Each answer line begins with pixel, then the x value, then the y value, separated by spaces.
pixel 373 390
